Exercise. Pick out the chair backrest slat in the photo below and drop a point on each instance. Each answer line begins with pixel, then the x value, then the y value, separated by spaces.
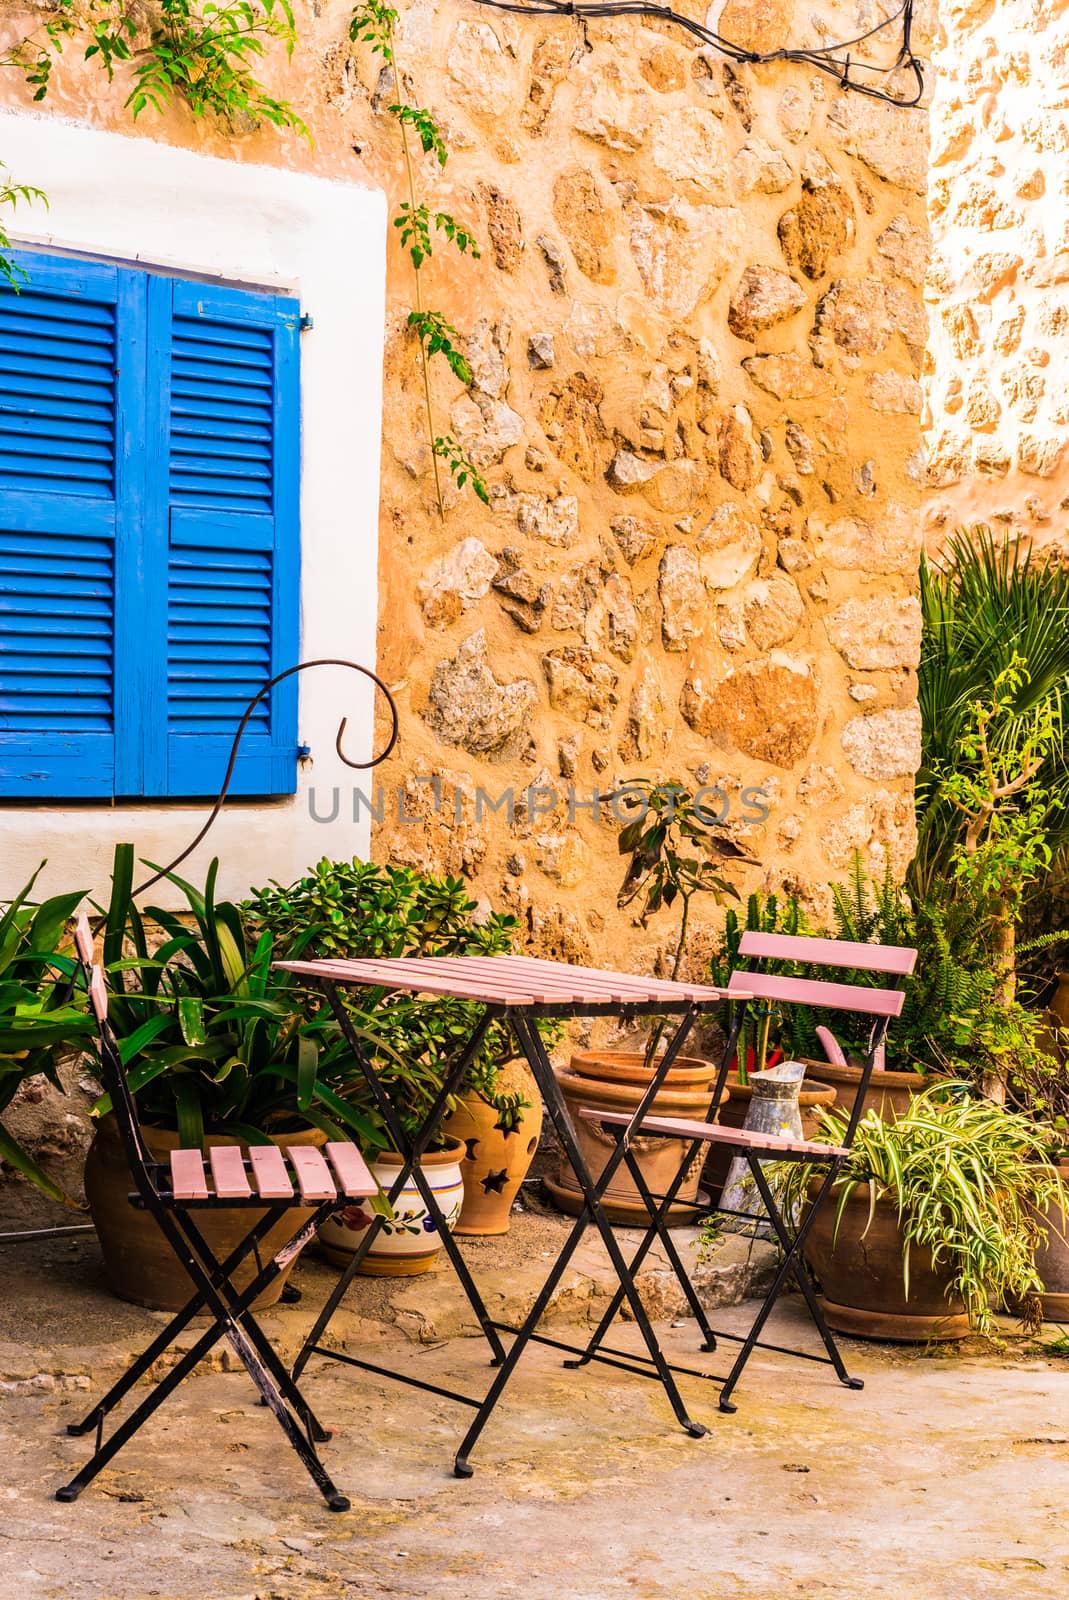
pixel 83 939
pixel 98 995
pixel 891 958
pixel 816 992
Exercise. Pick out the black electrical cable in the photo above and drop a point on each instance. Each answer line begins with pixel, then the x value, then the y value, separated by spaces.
pixel 833 59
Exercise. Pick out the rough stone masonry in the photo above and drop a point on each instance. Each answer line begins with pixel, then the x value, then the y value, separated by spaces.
pixel 696 333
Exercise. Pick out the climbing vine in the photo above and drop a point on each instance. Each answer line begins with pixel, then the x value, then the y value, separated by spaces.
pixel 420 229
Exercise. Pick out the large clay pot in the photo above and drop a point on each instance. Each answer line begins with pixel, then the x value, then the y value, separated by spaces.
pixel 409 1243
pixel 140 1264
pixel 495 1160
pixel 888 1093
pixel 860 1271
pixel 1052 1259
pixel 812 1097
pixel 606 1081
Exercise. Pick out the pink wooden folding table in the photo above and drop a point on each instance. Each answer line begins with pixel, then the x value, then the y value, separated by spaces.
pixel 518 991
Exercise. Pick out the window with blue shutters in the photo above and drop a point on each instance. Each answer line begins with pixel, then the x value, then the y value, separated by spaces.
pixel 149 474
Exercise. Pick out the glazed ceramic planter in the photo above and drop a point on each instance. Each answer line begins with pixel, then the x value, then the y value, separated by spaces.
pixel 409 1242
pixel 139 1262
pixel 496 1160
pixel 601 1080
pixel 860 1271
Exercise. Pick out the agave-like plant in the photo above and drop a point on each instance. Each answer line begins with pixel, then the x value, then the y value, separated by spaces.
pixel 39 1010
pixel 994 614
pixel 970 1182
pixel 214 1039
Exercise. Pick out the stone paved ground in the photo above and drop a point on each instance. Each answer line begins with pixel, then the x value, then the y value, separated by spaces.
pixel 946 1479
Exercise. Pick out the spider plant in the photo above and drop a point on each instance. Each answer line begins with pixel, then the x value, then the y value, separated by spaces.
pixel 38 1013
pixel 969 1181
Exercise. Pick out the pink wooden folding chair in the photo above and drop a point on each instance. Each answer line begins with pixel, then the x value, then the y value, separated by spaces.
pixel 269 1180
pixel 880 1003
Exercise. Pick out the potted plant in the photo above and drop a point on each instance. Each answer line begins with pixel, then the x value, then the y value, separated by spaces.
pixel 671 844
pixel 218 1048
pixel 933 1218
pixel 40 1015
pixel 363 909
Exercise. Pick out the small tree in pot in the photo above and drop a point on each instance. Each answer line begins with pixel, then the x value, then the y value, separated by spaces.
pixel 673 845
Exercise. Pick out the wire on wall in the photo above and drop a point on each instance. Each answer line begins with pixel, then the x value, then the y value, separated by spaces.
pixel 835 60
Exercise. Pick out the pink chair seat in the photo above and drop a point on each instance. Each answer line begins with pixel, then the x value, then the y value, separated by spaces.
pixel 712 1133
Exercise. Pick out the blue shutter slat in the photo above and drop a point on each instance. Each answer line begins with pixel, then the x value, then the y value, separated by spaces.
pixel 60 479
pixel 232 422
pixel 148 533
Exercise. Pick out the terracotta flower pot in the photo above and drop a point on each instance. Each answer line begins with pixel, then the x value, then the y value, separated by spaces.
pixel 410 1242
pixel 888 1093
pixel 495 1160
pixel 1052 1259
pixel 812 1098
pixel 140 1264
pixel 860 1270
pixel 610 1081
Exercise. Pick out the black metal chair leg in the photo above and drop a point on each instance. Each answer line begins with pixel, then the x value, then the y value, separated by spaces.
pixel 657 1230
pixel 785 1270
pixel 164 1340
pixel 792 1248
pixel 226 1323
pixel 220 1275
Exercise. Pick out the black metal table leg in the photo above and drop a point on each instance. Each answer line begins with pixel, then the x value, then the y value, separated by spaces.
pixel 533 1048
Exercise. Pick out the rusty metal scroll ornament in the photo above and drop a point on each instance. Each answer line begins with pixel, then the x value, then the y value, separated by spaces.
pixel 280 677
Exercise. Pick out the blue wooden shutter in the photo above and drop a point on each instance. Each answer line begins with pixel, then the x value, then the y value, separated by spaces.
pixel 224 375
pixel 71 376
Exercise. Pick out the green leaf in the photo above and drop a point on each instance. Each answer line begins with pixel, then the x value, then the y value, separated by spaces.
pixel 307 1066
pixel 190 1114
pixel 191 1019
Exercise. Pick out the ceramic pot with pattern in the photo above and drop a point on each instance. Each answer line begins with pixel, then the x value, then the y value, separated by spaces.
pixel 409 1242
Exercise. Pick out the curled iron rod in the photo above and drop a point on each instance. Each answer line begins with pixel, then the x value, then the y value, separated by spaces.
pixel 280 677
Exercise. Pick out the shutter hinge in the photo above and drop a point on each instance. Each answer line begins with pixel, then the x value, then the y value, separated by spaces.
pixel 306 324
pixel 303 752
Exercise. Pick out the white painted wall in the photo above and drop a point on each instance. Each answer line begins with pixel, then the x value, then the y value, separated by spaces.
pixel 134 200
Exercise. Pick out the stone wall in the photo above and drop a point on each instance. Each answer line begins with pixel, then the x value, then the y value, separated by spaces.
pixel 696 332
pixel 998 369
pixel 697 335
